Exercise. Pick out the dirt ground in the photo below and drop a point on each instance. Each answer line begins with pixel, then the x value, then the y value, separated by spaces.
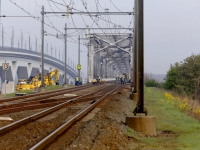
pixel 104 128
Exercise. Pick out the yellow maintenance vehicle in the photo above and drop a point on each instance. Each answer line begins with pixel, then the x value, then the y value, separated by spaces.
pixel 24 85
pixel 35 81
pixel 95 81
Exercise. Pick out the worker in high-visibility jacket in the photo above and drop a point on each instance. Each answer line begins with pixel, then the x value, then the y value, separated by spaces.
pixel 77 81
pixel 122 79
pixel 98 79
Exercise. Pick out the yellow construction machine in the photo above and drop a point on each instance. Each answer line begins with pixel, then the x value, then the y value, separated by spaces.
pixel 35 81
pixel 49 80
pixel 94 81
pixel 24 85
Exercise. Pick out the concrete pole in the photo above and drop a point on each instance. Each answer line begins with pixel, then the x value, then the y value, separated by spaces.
pixel 91 60
pixel 12 37
pixel 5 80
pixel 46 48
pixel 88 65
pixel 106 68
pixel 51 50
pixel 36 44
pixel 59 54
pixel 21 39
pixel 65 53
pixel 79 56
pixel 2 37
pixel 29 42
pixel 42 47
pixel 101 70
pixel 55 52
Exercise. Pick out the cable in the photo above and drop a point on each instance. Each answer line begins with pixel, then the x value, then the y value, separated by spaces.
pixel 94 20
pixel 56 5
pixel 97 16
pixel 52 9
pixel 74 24
pixel 114 5
pixel 38 19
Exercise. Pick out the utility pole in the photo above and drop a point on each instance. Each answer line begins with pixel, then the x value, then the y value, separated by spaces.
pixel 12 37
pixel 79 56
pixel 88 64
pixel 139 54
pixel 21 39
pixel 42 48
pixel 47 48
pixel 29 42
pixel 35 43
pixel 59 54
pixel 2 37
pixel 5 81
pixel 106 68
pixel 51 49
pixel 65 70
pixel 55 52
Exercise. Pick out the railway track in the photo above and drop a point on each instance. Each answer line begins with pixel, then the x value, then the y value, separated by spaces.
pixel 36 101
pixel 87 102
pixel 45 95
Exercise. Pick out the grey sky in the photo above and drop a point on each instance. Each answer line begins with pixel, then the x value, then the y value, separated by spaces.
pixel 171 29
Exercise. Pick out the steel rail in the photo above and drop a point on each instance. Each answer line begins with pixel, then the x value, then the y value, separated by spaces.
pixel 47 140
pixel 36 116
pixel 51 103
pixel 35 96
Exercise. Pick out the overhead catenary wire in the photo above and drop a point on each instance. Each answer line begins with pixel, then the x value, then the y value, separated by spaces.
pixel 115 6
pixel 94 20
pixel 52 9
pixel 38 19
pixel 97 16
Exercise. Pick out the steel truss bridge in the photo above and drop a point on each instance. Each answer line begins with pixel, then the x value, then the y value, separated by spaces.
pixel 109 55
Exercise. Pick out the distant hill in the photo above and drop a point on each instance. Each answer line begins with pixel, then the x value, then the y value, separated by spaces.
pixel 157 77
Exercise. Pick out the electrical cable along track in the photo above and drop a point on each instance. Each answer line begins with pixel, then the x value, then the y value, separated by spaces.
pixel 42 128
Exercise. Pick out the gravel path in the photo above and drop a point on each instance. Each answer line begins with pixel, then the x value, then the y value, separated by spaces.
pixel 107 130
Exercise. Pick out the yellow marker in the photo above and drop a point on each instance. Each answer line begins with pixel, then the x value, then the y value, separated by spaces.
pixel 79 67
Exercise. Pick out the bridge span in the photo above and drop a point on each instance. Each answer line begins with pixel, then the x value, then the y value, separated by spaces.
pixel 24 63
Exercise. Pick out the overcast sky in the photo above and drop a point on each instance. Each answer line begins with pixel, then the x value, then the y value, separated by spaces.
pixel 171 27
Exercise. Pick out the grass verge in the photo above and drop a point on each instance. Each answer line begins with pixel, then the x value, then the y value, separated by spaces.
pixel 186 129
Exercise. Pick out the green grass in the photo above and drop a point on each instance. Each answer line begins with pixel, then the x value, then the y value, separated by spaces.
pixel 170 118
pixel 53 87
pixel 22 91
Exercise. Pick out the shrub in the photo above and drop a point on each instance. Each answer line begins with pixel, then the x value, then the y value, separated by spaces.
pixel 151 83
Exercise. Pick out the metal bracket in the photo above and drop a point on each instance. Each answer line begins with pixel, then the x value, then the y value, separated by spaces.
pixel 137 110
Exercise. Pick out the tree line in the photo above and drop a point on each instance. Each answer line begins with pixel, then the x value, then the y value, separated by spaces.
pixel 184 77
